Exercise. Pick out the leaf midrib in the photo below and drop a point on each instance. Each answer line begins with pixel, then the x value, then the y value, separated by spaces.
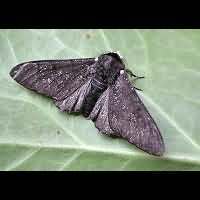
pixel 128 154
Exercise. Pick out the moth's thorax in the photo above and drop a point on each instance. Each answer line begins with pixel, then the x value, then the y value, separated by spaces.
pixel 108 67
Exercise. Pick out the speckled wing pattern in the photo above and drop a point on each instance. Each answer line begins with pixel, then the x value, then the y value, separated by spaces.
pixel 123 114
pixel 100 114
pixel 66 81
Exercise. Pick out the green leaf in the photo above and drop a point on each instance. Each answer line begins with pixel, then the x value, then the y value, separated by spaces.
pixel 35 135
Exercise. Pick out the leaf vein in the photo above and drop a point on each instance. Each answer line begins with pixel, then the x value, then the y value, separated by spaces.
pixel 19 162
pixel 105 39
pixel 172 122
pixel 70 160
pixel 76 139
pixel 67 47
pixel 12 50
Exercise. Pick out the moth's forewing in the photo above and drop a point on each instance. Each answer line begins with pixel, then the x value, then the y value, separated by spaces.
pixel 59 79
pixel 129 117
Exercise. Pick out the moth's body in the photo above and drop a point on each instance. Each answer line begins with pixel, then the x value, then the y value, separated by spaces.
pixel 105 73
pixel 100 90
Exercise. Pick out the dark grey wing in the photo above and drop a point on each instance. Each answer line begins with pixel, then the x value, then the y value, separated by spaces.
pixel 99 114
pixel 66 81
pixel 124 115
pixel 129 117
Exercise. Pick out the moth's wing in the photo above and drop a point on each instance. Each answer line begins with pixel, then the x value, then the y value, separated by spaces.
pixel 66 81
pixel 129 117
pixel 99 114
pixel 121 113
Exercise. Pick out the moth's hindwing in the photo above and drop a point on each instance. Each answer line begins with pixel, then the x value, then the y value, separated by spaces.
pixel 99 114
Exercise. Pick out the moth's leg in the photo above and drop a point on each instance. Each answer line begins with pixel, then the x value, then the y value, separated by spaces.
pixel 135 80
pixel 136 77
pixel 131 74
pixel 137 88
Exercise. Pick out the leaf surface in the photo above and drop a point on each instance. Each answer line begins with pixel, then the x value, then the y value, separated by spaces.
pixel 35 135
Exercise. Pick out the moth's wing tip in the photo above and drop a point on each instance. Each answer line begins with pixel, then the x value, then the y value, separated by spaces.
pixel 14 71
pixel 162 150
pixel 159 151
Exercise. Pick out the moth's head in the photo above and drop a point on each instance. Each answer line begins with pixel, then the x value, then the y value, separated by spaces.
pixel 109 66
pixel 111 60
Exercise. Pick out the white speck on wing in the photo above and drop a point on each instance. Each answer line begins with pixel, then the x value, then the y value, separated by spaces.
pixel 49 80
pixel 60 73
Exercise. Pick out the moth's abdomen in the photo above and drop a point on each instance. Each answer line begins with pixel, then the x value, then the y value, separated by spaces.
pixel 97 88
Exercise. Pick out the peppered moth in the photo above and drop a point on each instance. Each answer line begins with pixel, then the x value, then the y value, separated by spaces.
pixel 99 89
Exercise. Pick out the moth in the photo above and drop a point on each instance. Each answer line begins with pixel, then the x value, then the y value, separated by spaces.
pixel 99 89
